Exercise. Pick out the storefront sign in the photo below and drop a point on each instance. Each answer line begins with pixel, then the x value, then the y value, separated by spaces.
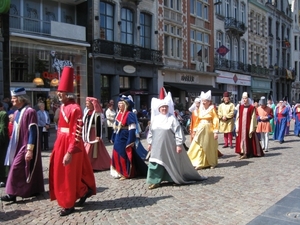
pixel 187 78
pixel 51 76
pixel 233 78
pixel 129 69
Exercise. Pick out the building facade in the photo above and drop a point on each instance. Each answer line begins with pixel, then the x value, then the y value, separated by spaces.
pixel 295 53
pixel 45 36
pixel 124 55
pixel 231 51
pixel 185 30
pixel 279 16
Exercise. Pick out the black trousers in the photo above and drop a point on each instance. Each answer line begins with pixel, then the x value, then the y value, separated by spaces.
pixel 44 139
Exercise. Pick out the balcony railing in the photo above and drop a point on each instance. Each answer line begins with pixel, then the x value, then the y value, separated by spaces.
pixel 29 25
pixel 225 64
pixel 235 25
pixel 133 52
pixel 222 63
pixel 259 70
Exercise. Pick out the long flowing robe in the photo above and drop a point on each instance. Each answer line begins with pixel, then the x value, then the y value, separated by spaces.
pixel 287 128
pixel 272 106
pixel 96 150
pixel 165 134
pixel 25 179
pixel 71 182
pixel 226 110
pixel 194 122
pixel 296 116
pixel 203 151
pixel 4 140
pixel 281 119
pixel 125 160
pixel 247 141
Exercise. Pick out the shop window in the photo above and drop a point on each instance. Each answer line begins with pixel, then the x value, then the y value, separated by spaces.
pixel 124 82
pixel 143 83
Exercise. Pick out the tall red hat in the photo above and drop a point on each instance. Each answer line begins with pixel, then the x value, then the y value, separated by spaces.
pixel 162 93
pixel 66 80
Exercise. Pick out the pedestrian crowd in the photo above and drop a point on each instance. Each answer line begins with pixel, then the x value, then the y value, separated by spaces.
pixel 79 149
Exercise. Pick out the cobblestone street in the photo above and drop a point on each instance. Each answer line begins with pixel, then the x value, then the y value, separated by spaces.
pixel 236 192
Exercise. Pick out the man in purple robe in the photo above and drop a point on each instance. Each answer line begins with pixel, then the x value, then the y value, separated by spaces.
pixel 25 178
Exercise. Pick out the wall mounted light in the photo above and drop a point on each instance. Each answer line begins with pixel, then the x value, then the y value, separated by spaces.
pixel 96 17
pixel 119 22
pixel 38 81
pixel 156 32
pixel 138 27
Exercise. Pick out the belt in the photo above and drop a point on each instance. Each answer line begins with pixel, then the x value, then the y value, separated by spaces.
pixel 64 129
pixel 204 121
pixel 125 127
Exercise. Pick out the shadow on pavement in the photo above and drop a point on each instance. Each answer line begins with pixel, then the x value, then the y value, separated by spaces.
pixel 122 203
pixel 280 148
pixel 211 180
pixel 236 164
pixel 12 215
pixel 271 154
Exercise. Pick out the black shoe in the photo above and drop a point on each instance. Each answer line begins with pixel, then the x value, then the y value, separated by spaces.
pixel 8 198
pixel 225 146
pixel 65 212
pixel 83 199
pixel 2 184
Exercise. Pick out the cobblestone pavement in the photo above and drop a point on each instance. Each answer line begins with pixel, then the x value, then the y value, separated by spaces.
pixel 236 192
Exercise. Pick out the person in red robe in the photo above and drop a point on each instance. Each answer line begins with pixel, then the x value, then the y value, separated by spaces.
pixel 247 143
pixel 71 175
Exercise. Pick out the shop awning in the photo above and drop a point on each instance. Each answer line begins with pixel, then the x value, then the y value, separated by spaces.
pixel 195 88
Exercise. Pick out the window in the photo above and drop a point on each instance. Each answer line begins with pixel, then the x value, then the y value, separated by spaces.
pixel 235 50
pixel 270 56
pixel 235 13
pixel 124 82
pixel 219 39
pixel 199 9
pixel 199 47
pixel 145 30
pixel 263 27
pixel 277 30
pixel 277 57
pixel 173 42
pixel 257 59
pixel 126 26
pixel 227 43
pixel 143 83
pixel 106 21
pixel 173 4
pixel 218 5
pixel 270 27
pixel 227 8
pixel 206 12
pixel 296 42
pixel 257 24
pixel 243 53
pixel 192 6
pixel 243 17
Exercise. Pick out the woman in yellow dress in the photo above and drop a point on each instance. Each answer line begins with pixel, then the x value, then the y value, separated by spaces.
pixel 203 151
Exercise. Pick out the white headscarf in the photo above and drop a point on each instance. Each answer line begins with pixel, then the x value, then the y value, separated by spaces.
pixel 206 95
pixel 157 103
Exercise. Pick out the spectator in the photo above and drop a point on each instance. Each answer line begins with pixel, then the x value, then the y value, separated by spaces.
pixel 296 117
pixel 4 140
pixel 44 126
pixel 110 119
